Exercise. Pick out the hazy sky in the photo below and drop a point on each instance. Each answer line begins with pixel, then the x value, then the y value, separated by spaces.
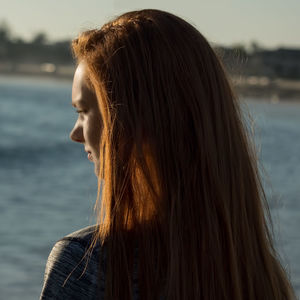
pixel 270 22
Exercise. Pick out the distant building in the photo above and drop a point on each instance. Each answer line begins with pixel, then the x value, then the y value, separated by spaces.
pixel 284 63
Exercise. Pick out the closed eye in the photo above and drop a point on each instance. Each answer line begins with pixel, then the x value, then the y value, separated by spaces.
pixel 80 111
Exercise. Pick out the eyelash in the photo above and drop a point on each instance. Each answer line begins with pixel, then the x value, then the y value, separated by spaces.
pixel 80 111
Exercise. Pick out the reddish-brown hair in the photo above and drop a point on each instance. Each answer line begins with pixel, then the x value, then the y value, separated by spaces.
pixel 181 181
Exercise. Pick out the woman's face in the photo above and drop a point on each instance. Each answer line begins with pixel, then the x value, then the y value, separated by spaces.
pixel 87 129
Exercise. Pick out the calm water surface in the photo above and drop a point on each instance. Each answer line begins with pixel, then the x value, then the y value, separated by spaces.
pixel 48 186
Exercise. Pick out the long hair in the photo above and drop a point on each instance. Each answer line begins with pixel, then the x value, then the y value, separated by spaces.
pixel 181 189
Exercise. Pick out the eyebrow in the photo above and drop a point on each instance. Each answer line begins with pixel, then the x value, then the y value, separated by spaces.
pixel 78 103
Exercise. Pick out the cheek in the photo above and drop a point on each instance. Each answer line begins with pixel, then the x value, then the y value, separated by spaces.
pixel 93 132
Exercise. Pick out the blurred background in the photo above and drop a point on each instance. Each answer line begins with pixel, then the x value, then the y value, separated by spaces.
pixel 47 185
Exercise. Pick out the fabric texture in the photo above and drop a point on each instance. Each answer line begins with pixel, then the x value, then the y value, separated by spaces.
pixel 72 273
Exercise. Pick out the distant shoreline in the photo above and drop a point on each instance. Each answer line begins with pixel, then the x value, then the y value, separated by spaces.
pixel 262 87
pixel 47 70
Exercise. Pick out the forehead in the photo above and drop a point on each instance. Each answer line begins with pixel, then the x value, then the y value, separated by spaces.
pixel 78 81
pixel 80 89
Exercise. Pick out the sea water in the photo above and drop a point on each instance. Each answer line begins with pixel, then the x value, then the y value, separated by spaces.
pixel 48 187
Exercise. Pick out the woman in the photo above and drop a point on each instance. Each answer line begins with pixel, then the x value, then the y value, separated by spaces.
pixel 183 213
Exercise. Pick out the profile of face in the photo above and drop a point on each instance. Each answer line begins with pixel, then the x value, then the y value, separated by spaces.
pixel 88 126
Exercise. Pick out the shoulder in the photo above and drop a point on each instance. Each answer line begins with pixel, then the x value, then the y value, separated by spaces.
pixel 71 249
pixel 82 236
pixel 72 267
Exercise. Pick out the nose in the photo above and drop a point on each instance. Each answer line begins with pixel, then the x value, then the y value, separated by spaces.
pixel 76 134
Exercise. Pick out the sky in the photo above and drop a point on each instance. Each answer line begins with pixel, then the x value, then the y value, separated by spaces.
pixel 271 23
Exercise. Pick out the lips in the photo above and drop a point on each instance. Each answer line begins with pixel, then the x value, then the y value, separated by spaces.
pixel 90 157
